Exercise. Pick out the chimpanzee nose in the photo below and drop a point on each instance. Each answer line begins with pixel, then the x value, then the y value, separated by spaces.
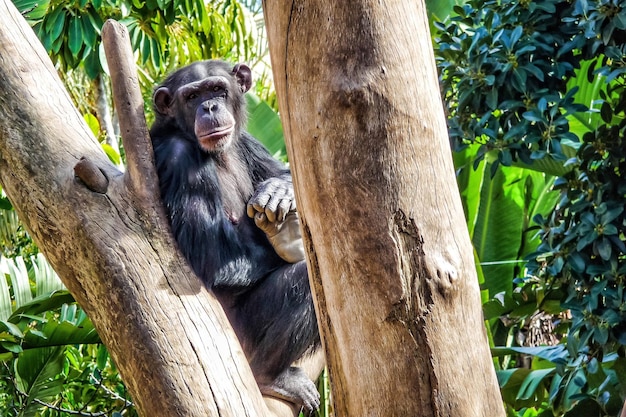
pixel 209 107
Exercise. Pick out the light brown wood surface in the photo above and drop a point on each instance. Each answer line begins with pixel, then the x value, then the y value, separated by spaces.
pixel 388 249
pixel 107 238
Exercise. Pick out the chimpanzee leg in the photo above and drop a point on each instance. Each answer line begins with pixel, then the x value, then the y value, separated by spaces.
pixel 276 326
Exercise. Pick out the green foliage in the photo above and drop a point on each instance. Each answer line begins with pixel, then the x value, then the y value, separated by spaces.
pixel 499 210
pixel 52 361
pixel 165 33
pixel 541 84
pixel 36 376
pixel 439 9
pixel 503 69
pixel 265 125
pixel 14 241
pixel 534 83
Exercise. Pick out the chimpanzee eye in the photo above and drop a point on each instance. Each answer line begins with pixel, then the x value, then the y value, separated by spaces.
pixel 192 96
pixel 217 88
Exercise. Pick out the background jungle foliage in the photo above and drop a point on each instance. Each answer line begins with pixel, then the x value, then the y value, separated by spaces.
pixel 536 102
pixel 536 99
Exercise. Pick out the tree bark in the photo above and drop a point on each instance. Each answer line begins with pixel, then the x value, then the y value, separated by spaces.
pixel 392 268
pixel 107 237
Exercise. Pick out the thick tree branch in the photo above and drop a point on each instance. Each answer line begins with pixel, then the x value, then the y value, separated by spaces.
pixel 392 271
pixel 112 247
pixel 141 174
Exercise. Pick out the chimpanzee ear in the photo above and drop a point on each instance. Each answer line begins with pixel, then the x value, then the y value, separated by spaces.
pixel 244 76
pixel 162 99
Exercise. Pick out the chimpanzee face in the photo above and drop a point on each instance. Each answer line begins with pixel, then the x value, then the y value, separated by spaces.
pixel 206 102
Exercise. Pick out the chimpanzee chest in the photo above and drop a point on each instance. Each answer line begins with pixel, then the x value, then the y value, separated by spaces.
pixel 236 191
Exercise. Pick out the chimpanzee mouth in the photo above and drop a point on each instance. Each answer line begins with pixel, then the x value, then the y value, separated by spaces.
pixel 215 134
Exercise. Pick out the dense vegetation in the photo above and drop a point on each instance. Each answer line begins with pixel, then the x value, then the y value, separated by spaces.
pixel 539 86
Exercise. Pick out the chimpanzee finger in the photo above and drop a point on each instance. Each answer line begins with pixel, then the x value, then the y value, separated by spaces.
pixel 250 210
pixel 257 203
pixel 261 221
pixel 278 207
pixel 269 198
pixel 272 205
pixel 284 206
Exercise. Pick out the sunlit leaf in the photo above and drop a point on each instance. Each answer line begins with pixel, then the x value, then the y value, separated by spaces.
pixel 75 35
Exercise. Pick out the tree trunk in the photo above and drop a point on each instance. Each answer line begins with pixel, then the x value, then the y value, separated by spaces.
pixel 392 271
pixel 107 237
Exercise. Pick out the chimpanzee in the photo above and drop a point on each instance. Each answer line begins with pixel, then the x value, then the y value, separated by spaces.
pixel 222 192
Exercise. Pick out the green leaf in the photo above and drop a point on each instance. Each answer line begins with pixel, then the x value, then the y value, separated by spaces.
pixel 36 9
pixel 556 354
pixel 510 381
pixel 92 65
pixel 603 248
pixel 585 407
pixel 145 48
pixel 492 98
pixel 5 204
pixel 12 347
pixel 501 209
pixel 36 376
pixel 532 382
pixel 41 304
pixel 439 9
pixel 63 333
pixel 576 261
pixel 56 33
pixel 606 112
pixel 89 33
pixel 54 22
pixel 112 153
pixel 6 306
pixel 94 18
pixel 264 124
pixel 11 328
pixel 611 215
pixel 93 123
pixel 155 54
pixel 75 35
pixel 533 116
pixel 46 279
pixel 20 283
pixel 102 357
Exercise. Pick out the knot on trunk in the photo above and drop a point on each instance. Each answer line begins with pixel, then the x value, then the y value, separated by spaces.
pixel 91 176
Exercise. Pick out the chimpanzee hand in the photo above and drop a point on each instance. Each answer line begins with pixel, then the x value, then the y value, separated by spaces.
pixel 273 207
pixel 284 236
pixel 274 197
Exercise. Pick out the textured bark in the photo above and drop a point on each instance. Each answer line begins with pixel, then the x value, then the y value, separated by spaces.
pixel 392 268
pixel 107 237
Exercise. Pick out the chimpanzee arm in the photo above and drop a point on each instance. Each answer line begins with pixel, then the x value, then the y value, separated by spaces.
pixel 261 165
pixel 273 205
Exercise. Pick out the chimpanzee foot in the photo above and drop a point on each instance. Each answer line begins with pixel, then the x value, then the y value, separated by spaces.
pixel 294 386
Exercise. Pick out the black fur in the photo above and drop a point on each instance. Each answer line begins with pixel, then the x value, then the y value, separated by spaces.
pixel 205 192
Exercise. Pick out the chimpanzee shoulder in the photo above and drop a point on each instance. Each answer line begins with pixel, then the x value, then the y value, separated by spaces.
pixel 261 164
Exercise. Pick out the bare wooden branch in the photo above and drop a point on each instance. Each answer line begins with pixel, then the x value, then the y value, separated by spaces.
pixel 167 334
pixel 130 109
pixel 392 270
